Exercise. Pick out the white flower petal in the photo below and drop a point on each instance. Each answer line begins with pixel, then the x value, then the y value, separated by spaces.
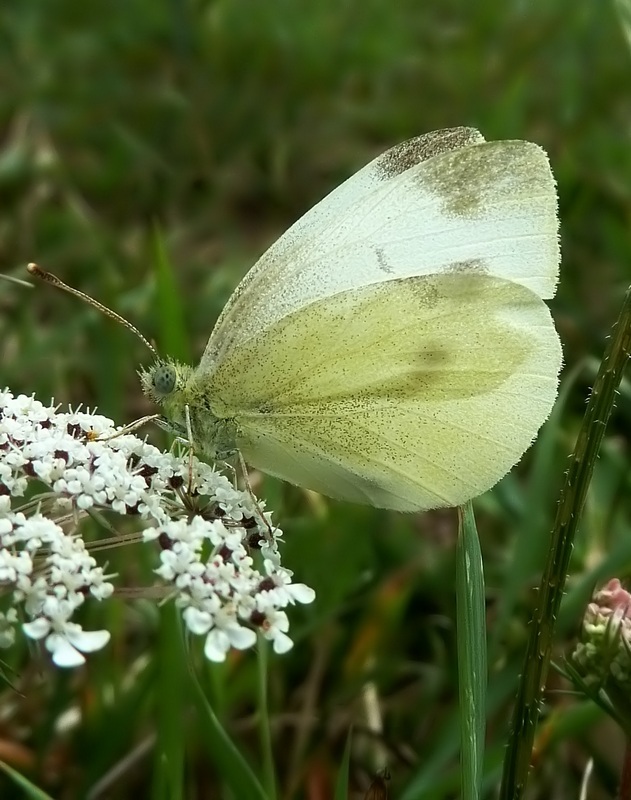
pixel 37 629
pixel 196 620
pixel 302 593
pixel 88 641
pixel 241 637
pixel 282 643
pixel 217 645
pixel 64 654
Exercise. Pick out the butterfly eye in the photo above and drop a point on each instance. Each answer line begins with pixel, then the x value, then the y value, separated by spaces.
pixel 164 379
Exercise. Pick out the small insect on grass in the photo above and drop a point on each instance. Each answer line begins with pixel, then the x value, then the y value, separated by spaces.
pixel 378 789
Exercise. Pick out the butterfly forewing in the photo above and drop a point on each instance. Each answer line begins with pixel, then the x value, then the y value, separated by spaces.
pixel 492 204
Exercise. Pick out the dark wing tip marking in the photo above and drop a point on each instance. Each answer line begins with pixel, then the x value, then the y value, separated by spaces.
pixel 407 154
pixel 491 174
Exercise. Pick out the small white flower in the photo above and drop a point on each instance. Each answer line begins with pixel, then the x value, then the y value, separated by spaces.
pixel 67 648
pixel 100 587
pixel 178 562
pixel 12 565
pixel 220 640
pixel 269 550
pixel 284 591
pixel 207 541
pixel 275 629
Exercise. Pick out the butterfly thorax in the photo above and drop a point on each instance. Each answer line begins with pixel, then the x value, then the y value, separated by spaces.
pixel 178 387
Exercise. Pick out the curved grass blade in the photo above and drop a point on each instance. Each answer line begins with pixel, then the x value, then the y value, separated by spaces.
pixel 30 790
pixel 223 752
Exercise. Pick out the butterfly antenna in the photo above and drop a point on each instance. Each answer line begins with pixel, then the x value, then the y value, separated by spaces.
pixel 38 272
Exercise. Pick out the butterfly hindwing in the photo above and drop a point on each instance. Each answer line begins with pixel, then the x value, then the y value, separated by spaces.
pixel 414 394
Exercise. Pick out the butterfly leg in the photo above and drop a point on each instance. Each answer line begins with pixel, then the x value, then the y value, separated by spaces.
pixel 231 469
pixel 248 486
pixel 133 426
pixel 191 450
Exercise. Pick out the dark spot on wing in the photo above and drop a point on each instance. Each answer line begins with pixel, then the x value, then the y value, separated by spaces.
pixel 407 154
pixel 433 356
pixel 474 266
pixel 462 282
pixel 425 290
pixel 381 261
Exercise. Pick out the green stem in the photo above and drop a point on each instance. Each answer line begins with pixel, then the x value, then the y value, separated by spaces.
pixel 168 778
pixel 267 750
pixel 538 651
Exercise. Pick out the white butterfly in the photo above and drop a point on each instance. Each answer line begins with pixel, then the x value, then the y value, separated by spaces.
pixel 393 347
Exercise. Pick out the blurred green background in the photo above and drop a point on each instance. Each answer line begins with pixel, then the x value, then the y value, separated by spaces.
pixel 218 124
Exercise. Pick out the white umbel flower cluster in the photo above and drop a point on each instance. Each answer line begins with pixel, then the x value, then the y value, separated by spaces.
pixel 216 550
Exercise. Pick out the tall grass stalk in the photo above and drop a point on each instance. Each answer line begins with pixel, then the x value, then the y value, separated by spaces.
pixel 552 586
pixel 472 662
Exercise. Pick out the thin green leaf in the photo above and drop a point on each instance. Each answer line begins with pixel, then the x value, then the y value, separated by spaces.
pixel 223 752
pixel 31 790
pixel 435 766
pixel 341 785
pixel 472 663
pixel 170 307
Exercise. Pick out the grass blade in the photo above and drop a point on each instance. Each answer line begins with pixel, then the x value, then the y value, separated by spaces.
pixel 223 752
pixel 472 666
pixel 30 790
pixel 171 310
pixel 341 785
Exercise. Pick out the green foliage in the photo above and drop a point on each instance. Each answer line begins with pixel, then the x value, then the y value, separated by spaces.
pixel 138 135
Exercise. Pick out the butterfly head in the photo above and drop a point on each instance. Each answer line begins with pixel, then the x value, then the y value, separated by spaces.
pixel 167 383
pixel 184 395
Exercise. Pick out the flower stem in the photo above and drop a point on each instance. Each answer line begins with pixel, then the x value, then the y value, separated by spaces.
pixel 267 750
pixel 573 494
